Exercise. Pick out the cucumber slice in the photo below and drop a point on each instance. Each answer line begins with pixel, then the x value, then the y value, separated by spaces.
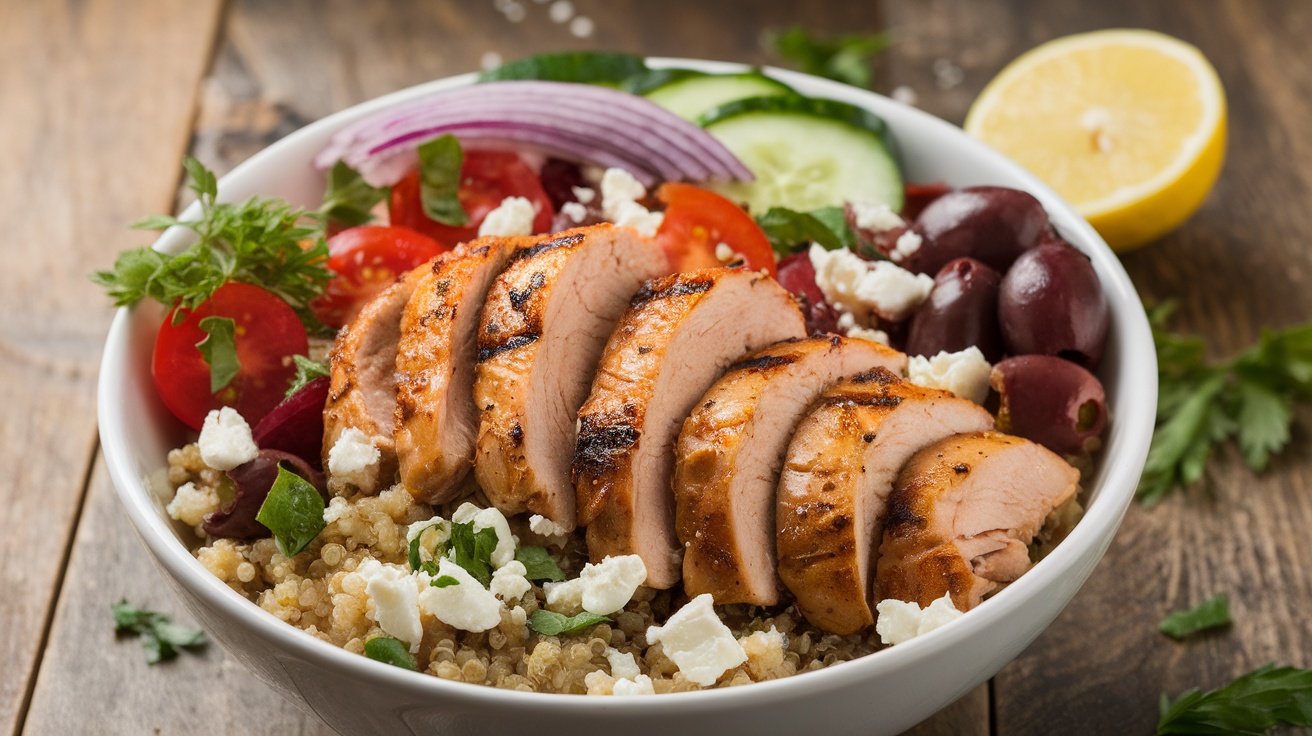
pixel 806 153
pixel 689 94
pixel 586 67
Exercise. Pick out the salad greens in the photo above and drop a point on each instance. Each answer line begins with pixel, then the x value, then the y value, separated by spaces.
pixel 348 199
pixel 306 370
pixel 219 350
pixel 293 511
pixel 1210 614
pixel 391 651
pixel 439 180
pixel 160 638
pixel 550 623
pixel 787 228
pixel 464 546
pixel 539 564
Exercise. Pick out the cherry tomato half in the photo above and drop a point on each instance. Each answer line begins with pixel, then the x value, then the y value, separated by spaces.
pixel 268 333
pixel 697 221
pixel 486 178
pixel 366 260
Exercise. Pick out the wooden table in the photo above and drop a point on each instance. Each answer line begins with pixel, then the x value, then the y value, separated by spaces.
pixel 99 99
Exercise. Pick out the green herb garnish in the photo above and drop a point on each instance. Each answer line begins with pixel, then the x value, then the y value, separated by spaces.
pixel 1253 704
pixel 843 58
pixel 159 637
pixel 390 651
pixel 1201 404
pixel 550 623
pixel 472 550
pixel 306 371
pixel 444 581
pixel 787 229
pixel 348 199
pixel 439 180
pixel 219 350
pixel 293 511
pixel 1210 614
pixel 539 563
pixel 258 241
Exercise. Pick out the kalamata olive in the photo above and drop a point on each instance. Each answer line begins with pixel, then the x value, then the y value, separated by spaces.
pixel 919 196
pixel 1052 304
pixel 296 425
pixel 251 483
pixel 990 224
pixel 797 275
pixel 961 311
pixel 1050 401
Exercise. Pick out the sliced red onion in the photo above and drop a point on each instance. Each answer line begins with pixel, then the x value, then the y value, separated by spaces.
pixel 575 121
pixel 296 425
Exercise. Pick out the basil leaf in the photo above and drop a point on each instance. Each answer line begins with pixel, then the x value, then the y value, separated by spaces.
pixel 1254 704
pixel 160 639
pixel 550 623
pixel 539 564
pixel 1210 614
pixel 439 180
pixel 306 370
pixel 293 511
pixel 787 229
pixel 445 581
pixel 473 550
pixel 348 198
pixel 219 350
pixel 391 651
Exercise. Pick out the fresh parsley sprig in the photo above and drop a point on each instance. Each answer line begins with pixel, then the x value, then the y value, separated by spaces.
pixel 1253 704
pixel 844 58
pixel 160 638
pixel 1200 404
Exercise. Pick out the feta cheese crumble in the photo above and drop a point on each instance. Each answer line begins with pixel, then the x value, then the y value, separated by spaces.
pixel 353 461
pixel 856 285
pixel 225 440
pixel 848 326
pixel 900 621
pixel 602 588
pixel 490 518
pixel 574 211
pixel 509 582
pixel 190 504
pixel 584 195
pixel 622 664
pixel 467 605
pixel 696 640
pixel 964 373
pixel 556 534
pixel 514 216
pixel 620 193
pixel 876 217
pixel 907 243
pixel 640 685
pixel 394 593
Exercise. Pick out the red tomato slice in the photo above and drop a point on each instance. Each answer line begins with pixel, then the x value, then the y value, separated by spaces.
pixel 696 221
pixel 268 333
pixel 486 178
pixel 367 259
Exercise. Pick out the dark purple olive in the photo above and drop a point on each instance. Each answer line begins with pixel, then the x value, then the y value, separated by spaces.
pixel 961 311
pixel 1052 304
pixel 990 224
pixel 251 483
pixel 1051 401
pixel 797 275
pixel 296 425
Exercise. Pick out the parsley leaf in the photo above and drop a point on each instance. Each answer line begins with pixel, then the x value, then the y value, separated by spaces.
pixel 306 371
pixel 160 638
pixel 550 623
pixel 1253 704
pixel 391 651
pixel 1210 614
pixel 1199 405
pixel 539 564
pixel 348 199
pixel 444 581
pixel 439 180
pixel 219 350
pixel 293 511
pixel 843 58
pixel 787 229
pixel 473 550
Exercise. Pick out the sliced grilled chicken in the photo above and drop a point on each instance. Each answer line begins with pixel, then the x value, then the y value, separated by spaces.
pixel 362 379
pixel 839 472
pixel 541 333
pixel 679 334
pixel 731 450
pixel 963 513
pixel 436 420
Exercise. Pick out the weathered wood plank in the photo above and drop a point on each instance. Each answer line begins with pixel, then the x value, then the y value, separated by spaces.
pixel 94 120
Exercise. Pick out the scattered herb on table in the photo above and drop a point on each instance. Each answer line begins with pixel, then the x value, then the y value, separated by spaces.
pixel 539 564
pixel 1210 614
pixel 390 651
pixel 1253 704
pixel 293 511
pixel 843 58
pixel 550 623
pixel 159 636
pixel 1201 404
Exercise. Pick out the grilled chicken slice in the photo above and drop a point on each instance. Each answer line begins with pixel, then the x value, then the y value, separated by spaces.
pixel 543 327
pixel 436 420
pixel 963 513
pixel 362 379
pixel 679 334
pixel 833 491
pixel 731 450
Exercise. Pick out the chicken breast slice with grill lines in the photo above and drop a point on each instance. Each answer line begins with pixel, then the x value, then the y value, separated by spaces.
pixel 362 379
pixel 679 334
pixel 436 419
pixel 833 492
pixel 963 513
pixel 730 452
pixel 544 324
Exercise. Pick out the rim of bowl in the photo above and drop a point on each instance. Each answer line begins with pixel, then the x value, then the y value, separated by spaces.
pixel 1132 424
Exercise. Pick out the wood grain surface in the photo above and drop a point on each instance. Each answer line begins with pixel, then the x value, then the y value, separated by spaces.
pixel 100 98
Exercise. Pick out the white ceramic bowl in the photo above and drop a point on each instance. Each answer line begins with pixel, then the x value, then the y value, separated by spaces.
pixel 883 693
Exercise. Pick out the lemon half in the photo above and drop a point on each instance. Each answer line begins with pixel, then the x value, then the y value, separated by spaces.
pixel 1127 125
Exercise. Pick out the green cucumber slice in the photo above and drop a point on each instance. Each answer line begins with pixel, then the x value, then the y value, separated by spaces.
pixel 585 67
pixel 806 153
pixel 689 93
